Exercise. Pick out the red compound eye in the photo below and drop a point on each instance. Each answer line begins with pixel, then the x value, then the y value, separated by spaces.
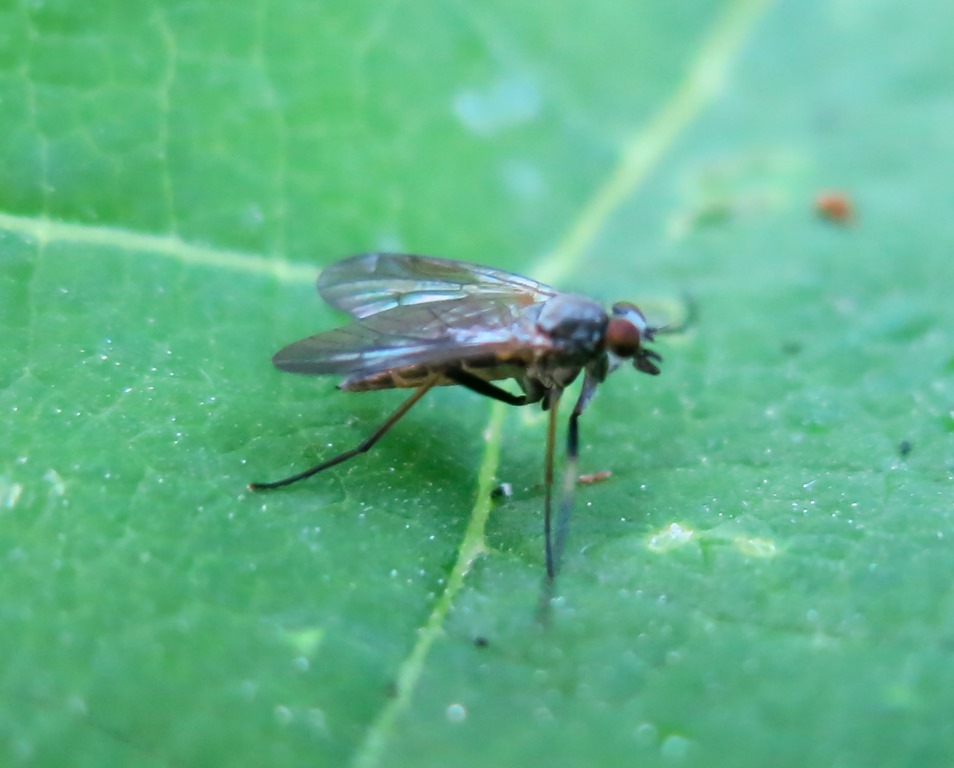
pixel 622 337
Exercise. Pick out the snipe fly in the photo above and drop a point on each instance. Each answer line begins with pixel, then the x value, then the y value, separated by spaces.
pixel 422 322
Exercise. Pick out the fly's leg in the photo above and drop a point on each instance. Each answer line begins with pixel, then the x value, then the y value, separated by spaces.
pixel 552 398
pixel 363 447
pixel 550 402
pixel 590 384
pixel 553 546
pixel 554 549
pixel 552 556
pixel 485 388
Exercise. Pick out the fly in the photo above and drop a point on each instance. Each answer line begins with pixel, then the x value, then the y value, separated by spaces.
pixel 422 322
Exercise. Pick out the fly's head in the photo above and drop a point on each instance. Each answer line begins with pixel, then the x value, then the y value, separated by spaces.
pixel 627 333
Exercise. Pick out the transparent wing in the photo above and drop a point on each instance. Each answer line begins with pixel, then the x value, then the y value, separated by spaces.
pixel 424 334
pixel 372 283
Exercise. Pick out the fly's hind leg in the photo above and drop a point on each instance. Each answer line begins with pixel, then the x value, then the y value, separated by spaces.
pixel 362 447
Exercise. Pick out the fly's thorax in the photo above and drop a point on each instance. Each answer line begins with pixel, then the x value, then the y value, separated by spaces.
pixel 544 375
pixel 576 326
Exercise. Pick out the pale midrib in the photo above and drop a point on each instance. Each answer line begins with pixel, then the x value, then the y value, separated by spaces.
pixel 639 156
pixel 45 231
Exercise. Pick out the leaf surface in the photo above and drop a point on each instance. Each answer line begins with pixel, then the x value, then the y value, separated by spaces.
pixel 765 577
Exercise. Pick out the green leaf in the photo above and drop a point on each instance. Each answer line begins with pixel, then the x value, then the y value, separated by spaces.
pixel 765 579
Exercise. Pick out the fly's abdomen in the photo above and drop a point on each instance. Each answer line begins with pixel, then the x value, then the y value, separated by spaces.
pixel 394 378
pixel 489 368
